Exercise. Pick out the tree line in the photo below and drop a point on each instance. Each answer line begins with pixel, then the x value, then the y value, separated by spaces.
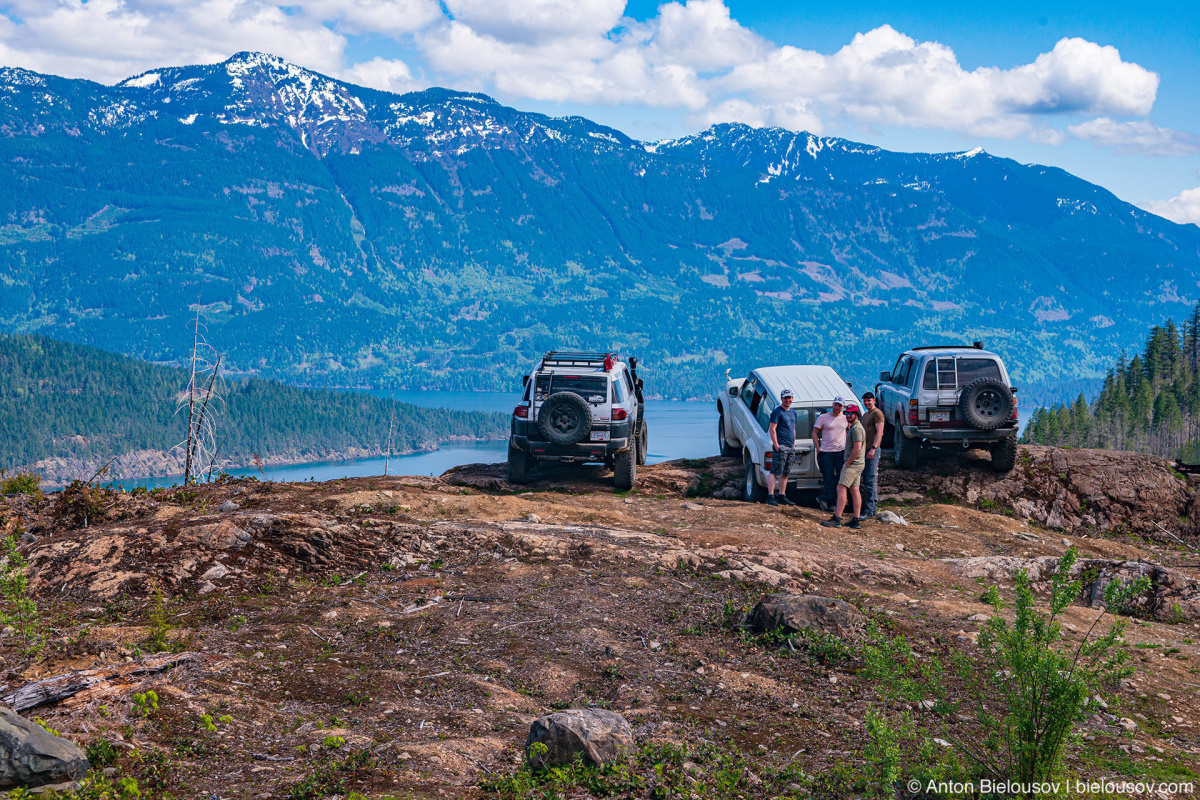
pixel 1149 403
pixel 71 401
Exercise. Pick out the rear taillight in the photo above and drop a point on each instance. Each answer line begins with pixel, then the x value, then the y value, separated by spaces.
pixel 619 414
pixel 1014 416
pixel 912 412
pixel 767 460
pixel 521 411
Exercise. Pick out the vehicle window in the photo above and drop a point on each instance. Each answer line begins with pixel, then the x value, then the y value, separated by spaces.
pixel 970 369
pixel 898 370
pixel 541 387
pixel 620 393
pixel 591 389
pixel 763 414
pixel 754 401
pixel 747 392
pixel 628 381
pixel 930 380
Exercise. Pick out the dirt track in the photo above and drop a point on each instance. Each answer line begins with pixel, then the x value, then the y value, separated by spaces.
pixel 430 620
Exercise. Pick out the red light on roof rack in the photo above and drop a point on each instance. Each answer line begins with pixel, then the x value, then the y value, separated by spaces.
pixel 608 362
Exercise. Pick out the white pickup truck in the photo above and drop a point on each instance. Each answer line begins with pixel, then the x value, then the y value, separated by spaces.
pixel 744 412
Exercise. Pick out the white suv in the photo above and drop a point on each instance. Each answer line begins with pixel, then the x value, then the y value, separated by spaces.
pixel 580 408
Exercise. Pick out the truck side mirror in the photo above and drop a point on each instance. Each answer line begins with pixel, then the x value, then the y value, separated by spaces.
pixel 1012 389
pixel 885 377
pixel 524 380
pixel 733 391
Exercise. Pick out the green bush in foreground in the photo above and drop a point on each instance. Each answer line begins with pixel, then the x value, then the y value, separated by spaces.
pixel 1025 688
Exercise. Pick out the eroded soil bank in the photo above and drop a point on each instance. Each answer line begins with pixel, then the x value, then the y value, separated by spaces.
pixel 398 635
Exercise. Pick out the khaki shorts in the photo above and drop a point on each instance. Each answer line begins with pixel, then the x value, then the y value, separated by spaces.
pixel 852 475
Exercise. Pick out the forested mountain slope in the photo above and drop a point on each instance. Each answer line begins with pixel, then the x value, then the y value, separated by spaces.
pixel 339 235
pixel 67 401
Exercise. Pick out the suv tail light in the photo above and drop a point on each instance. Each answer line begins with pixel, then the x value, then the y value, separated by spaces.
pixel 768 459
pixel 1014 416
pixel 521 411
pixel 912 412
pixel 618 414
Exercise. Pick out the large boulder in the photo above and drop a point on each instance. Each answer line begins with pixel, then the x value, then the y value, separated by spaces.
pixel 31 756
pixel 600 736
pixel 791 613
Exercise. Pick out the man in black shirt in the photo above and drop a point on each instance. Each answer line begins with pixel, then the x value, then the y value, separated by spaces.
pixel 783 438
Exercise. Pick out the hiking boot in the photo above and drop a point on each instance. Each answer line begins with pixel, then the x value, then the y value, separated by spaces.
pixel 783 500
pixel 771 501
pixel 855 523
pixel 833 522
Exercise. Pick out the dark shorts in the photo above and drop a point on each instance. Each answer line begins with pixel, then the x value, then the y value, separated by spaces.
pixel 781 463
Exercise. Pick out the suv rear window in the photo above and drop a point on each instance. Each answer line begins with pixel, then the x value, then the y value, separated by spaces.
pixel 594 390
pixel 969 369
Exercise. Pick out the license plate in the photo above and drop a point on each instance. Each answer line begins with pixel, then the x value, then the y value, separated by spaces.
pixel 939 416
pixel 599 436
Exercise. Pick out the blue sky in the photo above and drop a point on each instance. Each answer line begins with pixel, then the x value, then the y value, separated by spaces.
pixel 1105 90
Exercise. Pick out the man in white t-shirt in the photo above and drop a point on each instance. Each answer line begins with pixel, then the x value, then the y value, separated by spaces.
pixel 829 432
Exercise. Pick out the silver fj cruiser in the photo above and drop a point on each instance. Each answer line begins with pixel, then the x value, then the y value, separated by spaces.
pixel 580 408
pixel 946 397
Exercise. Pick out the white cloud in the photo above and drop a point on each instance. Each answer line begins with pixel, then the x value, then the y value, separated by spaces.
pixel 1183 208
pixel 532 22
pixel 1141 137
pixel 386 17
pixel 381 73
pixel 884 77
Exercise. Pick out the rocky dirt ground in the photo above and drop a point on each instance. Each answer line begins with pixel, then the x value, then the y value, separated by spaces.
pixel 396 636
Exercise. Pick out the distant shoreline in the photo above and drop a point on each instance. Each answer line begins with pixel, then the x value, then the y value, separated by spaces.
pixel 58 472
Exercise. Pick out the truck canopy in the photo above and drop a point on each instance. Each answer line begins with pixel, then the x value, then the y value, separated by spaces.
pixel 811 384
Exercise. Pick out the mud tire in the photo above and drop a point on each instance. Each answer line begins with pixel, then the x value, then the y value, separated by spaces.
pixel 520 466
pixel 723 446
pixel 625 467
pixel 1004 455
pixel 752 492
pixel 564 419
pixel 985 404
pixel 904 450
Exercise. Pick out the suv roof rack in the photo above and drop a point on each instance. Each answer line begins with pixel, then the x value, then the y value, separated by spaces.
pixel 567 358
pixel 976 346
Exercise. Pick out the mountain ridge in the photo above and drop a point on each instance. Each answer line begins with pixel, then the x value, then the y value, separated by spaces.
pixel 439 238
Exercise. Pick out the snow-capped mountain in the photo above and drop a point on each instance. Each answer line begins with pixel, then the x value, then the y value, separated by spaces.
pixel 336 233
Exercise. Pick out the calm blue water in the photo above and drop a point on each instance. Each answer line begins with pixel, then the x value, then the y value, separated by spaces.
pixel 677 430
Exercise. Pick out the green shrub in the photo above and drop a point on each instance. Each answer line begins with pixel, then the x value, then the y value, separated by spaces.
pixel 19 611
pixel 21 483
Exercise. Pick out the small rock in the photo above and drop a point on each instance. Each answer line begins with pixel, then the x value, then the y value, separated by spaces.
pixel 978 618
pixel 259 654
pixel 31 756
pixel 215 572
pixel 926 705
pixel 9 630
pixel 693 506
pixel 628 501
pixel 1177 720
pixel 791 613
pixel 1163 696
pixel 206 587
pixel 532 518
pixel 942 742
pixel 403 756
pixel 601 736
pixel 891 518
pixel 900 546
pixel 1127 723
pixel 656 645
pixel 1066 542
pixel 728 493
pixel 228 505
pixel 899 598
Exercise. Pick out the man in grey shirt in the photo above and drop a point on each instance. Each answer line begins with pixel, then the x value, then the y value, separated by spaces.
pixel 783 440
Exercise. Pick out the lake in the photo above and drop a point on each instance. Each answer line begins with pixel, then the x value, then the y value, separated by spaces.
pixel 678 429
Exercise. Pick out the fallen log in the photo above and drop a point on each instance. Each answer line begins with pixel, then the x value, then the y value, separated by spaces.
pixel 54 690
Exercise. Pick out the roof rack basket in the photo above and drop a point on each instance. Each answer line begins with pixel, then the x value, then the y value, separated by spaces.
pixel 564 358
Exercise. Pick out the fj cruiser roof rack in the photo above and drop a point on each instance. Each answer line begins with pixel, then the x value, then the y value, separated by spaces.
pixel 565 358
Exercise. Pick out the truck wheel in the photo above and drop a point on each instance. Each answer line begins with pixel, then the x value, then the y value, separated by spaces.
pixel 520 466
pixel 985 404
pixel 723 446
pixel 1004 454
pixel 904 450
pixel 564 419
pixel 643 444
pixel 751 491
pixel 625 467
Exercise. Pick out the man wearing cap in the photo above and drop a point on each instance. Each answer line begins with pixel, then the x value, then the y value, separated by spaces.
pixel 783 439
pixel 829 432
pixel 852 472
pixel 872 422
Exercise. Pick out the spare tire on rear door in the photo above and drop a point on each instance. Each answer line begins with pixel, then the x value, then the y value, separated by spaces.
pixel 564 419
pixel 986 404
